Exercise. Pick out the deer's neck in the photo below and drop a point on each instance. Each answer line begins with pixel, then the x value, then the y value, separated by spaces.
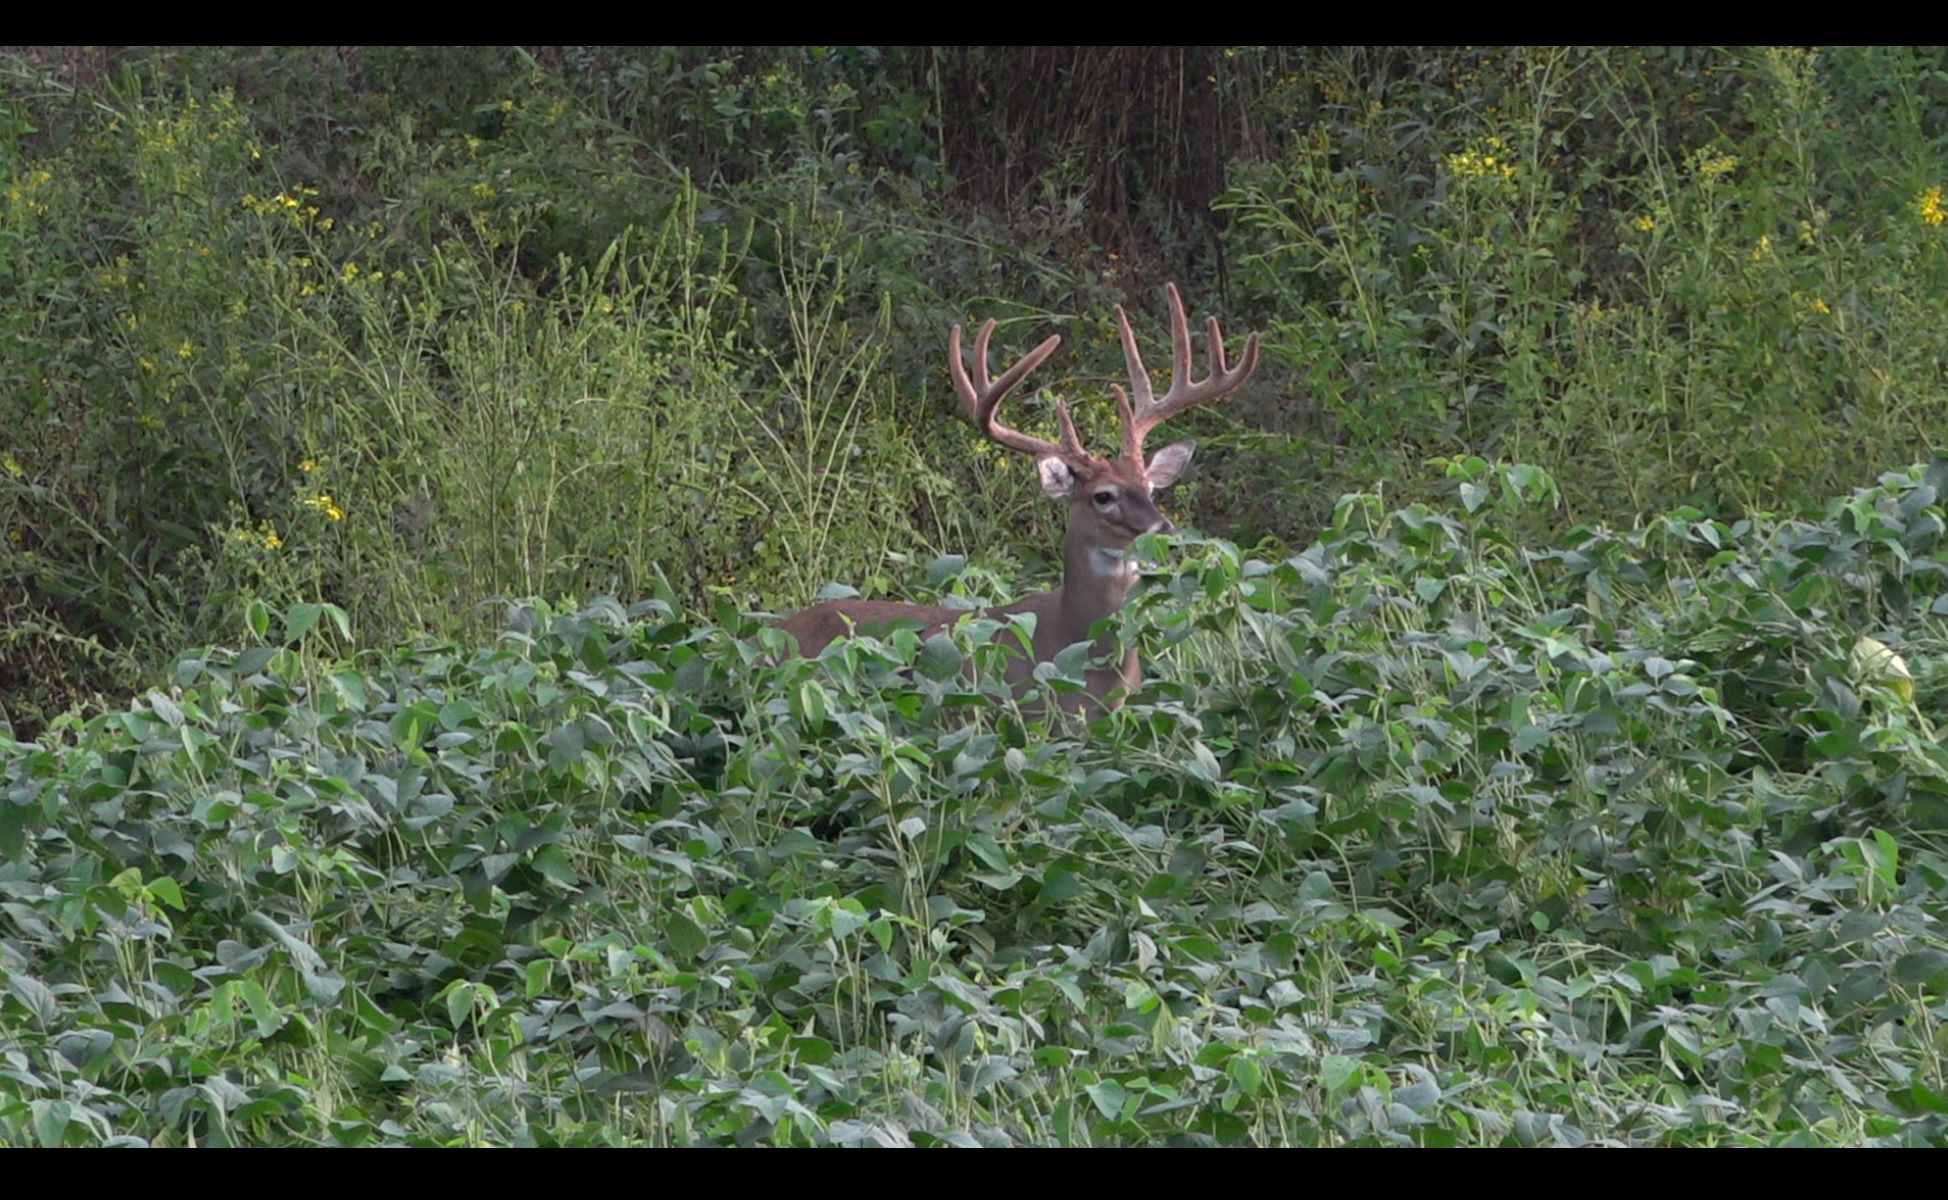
pixel 1095 583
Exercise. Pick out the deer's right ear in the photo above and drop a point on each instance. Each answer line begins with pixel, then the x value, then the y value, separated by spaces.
pixel 1057 480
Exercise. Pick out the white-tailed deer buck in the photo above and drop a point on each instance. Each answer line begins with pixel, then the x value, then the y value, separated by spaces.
pixel 1110 504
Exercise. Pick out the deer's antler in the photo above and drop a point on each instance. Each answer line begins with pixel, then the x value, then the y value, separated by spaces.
pixel 1150 412
pixel 981 398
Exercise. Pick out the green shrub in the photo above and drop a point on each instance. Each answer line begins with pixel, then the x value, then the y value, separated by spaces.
pixel 1714 278
pixel 1416 837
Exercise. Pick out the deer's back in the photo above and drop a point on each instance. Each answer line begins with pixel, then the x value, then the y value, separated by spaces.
pixel 818 625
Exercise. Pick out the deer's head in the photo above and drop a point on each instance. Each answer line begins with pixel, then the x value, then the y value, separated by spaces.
pixel 1111 500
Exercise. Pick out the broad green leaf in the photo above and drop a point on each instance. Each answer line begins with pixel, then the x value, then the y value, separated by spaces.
pixel 1109 1097
pixel 299 621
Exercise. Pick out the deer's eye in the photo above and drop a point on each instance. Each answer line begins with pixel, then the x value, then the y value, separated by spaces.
pixel 1105 498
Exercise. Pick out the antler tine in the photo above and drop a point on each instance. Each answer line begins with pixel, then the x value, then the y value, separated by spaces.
pixel 1184 393
pixel 982 399
pixel 1139 384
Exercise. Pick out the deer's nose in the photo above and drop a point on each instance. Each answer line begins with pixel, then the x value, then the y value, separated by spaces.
pixel 1162 525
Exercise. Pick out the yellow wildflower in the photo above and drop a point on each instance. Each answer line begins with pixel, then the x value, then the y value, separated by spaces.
pixel 1764 247
pixel 324 501
pixel 1485 158
pixel 272 541
pixel 1710 166
pixel 185 351
pixel 308 466
pixel 507 106
pixel 1819 306
pixel 1930 207
pixel 1643 223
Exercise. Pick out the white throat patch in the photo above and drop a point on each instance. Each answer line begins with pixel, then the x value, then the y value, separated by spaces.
pixel 1115 564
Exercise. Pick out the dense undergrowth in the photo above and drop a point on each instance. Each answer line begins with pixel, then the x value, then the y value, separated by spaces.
pixel 415 330
pixel 1417 836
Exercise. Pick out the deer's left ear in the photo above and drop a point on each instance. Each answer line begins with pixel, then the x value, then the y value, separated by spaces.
pixel 1169 462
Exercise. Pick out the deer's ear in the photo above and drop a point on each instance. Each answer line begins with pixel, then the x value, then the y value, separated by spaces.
pixel 1057 480
pixel 1168 463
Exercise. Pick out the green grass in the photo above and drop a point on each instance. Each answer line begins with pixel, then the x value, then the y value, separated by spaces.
pixel 1416 837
